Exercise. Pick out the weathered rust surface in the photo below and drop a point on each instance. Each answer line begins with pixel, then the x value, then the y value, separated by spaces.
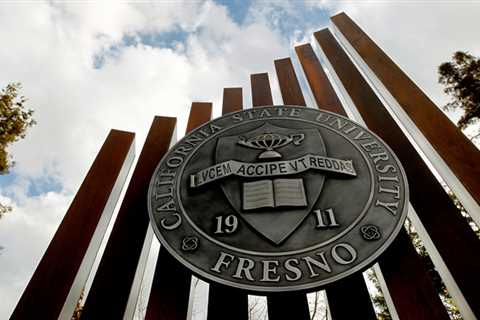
pixel 289 86
pixel 288 306
pixel 223 300
pixel 170 289
pixel 280 306
pixel 454 239
pixel 110 289
pixel 200 113
pixel 227 303
pixel 261 93
pixel 232 100
pixel 408 282
pixel 352 289
pixel 452 145
pixel 349 299
pixel 171 281
pixel 54 276
pixel 317 79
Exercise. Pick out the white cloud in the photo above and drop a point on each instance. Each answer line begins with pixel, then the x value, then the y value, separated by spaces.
pixel 51 49
pixel 76 104
pixel 25 234
pixel 419 36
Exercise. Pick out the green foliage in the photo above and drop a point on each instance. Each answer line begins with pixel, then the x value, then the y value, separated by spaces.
pixel 378 299
pixel 461 78
pixel 77 313
pixel 14 121
pixel 4 209
pixel 438 284
pixel 464 213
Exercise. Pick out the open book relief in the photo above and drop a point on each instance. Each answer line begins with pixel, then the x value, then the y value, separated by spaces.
pixel 274 193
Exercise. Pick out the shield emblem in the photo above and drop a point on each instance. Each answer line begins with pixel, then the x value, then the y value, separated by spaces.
pixel 274 219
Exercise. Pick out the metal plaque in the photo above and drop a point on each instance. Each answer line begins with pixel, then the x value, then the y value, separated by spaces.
pixel 278 198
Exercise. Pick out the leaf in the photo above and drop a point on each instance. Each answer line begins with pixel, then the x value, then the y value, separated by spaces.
pixel 14 121
pixel 461 78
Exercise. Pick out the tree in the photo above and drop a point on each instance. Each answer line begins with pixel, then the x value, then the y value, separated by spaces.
pixel 318 306
pixel 14 122
pixel 439 286
pixel 77 313
pixel 378 299
pixel 461 78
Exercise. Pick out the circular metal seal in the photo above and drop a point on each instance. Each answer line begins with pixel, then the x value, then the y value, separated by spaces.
pixel 278 198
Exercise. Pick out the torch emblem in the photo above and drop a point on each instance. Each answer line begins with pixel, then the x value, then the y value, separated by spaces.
pixel 271 141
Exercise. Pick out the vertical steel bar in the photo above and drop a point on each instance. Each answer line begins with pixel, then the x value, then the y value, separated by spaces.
pixel 353 289
pixel 413 295
pixel 417 138
pixel 321 87
pixel 289 86
pixel 288 306
pixel 232 100
pixel 170 289
pixel 60 277
pixel 451 153
pixel 423 185
pixel 112 283
pixel 280 306
pixel 171 281
pixel 200 113
pixel 261 93
pixel 223 300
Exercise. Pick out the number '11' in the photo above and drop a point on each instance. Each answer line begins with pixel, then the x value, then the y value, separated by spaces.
pixel 325 218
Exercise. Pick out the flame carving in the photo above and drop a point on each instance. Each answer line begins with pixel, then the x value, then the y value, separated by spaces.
pixel 271 141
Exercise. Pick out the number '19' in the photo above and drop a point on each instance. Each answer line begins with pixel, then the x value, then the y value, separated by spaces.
pixel 226 224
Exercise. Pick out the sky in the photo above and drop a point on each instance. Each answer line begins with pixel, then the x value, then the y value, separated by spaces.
pixel 90 66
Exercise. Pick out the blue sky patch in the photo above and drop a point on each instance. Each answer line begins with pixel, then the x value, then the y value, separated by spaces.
pixel 296 18
pixel 112 51
pixel 167 39
pixel 237 9
pixel 43 185
pixel 6 180
pixel 36 186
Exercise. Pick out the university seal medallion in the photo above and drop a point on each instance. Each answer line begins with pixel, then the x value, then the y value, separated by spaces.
pixel 278 198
